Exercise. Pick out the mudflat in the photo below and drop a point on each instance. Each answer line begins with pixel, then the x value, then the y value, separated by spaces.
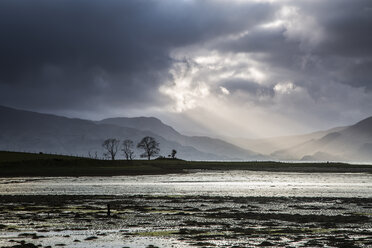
pixel 184 221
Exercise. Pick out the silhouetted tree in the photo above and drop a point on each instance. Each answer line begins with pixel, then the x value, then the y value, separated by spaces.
pixel 93 157
pixel 111 146
pixel 150 146
pixel 127 148
pixel 173 154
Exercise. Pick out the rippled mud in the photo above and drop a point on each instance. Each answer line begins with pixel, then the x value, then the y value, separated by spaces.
pixel 184 221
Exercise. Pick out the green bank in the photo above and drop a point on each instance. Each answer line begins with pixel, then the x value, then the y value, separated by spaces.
pixel 16 164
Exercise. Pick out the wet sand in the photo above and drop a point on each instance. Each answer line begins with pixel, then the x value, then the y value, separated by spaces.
pixel 184 221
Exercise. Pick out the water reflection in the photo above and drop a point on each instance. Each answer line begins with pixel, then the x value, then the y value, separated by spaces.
pixel 232 183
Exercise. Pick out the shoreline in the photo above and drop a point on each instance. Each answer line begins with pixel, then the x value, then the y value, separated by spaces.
pixel 68 198
pixel 96 168
pixel 17 164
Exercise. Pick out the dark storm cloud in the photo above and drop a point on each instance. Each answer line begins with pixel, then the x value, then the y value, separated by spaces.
pixel 76 54
pixel 346 50
pixel 348 25
pixel 342 54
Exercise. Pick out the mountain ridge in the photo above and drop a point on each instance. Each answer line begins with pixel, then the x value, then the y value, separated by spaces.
pixel 32 131
pixel 202 143
pixel 272 144
pixel 351 143
pixel 37 132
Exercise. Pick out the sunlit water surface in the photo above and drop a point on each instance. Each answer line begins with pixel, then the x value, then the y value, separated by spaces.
pixel 231 183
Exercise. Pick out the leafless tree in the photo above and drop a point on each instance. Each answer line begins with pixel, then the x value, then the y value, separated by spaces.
pixel 173 154
pixel 95 156
pixel 111 146
pixel 127 148
pixel 150 147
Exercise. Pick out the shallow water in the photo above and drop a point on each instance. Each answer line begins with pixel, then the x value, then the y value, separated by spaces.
pixel 231 183
pixel 185 221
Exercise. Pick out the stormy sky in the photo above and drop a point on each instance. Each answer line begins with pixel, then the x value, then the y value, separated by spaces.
pixel 224 67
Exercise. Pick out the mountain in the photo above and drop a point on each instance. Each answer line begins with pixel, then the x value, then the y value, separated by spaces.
pixel 270 145
pixel 36 132
pixel 151 124
pixel 201 143
pixel 321 156
pixel 353 143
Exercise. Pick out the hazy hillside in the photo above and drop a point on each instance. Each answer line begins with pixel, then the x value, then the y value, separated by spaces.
pixel 353 143
pixel 35 132
pixel 202 143
pixel 270 145
pixel 151 124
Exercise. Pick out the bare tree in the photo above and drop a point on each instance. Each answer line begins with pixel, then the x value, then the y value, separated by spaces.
pixel 173 154
pixel 127 148
pixel 111 146
pixel 150 147
pixel 93 157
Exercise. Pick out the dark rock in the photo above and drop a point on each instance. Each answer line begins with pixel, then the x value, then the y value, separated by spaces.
pixel 91 238
pixel 266 243
pixel 22 245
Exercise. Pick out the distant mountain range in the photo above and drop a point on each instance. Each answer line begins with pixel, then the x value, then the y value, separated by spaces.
pixel 351 143
pixel 36 132
pixel 271 145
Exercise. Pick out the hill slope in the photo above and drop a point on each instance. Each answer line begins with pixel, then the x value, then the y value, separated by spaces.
pixel 35 132
pixel 353 143
pixel 201 143
pixel 270 145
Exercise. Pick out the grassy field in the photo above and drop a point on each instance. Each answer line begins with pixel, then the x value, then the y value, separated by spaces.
pixel 24 156
pixel 15 164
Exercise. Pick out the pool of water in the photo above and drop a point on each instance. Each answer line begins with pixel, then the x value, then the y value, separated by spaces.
pixel 231 183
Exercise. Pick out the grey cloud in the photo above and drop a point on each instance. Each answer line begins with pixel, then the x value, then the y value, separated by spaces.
pixel 270 43
pixel 88 54
pixel 77 54
pixel 343 55
pixel 347 24
pixel 249 87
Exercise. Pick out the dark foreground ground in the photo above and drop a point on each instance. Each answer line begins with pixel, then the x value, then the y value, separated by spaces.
pixel 189 221
pixel 16 164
